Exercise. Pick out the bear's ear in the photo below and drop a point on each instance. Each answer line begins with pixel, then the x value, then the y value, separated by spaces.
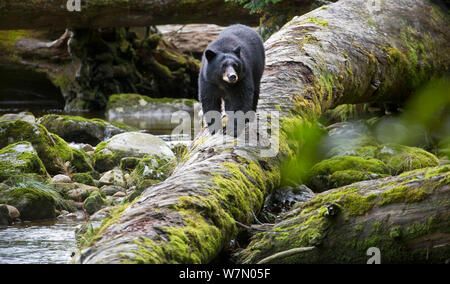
pixel 209 54
pixel 237 51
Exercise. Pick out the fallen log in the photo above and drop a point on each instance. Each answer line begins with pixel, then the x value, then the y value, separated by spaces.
pixel 406 218
pixel 344 53
pixel 31 14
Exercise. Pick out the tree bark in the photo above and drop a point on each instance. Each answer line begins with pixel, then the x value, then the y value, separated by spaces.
pixel 344 53
pixel 406 217
pixel 31 14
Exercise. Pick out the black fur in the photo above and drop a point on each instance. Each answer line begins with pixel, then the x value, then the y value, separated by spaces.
pixel 242 48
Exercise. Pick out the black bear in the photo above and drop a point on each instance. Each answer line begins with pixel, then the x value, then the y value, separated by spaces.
pixel 232 67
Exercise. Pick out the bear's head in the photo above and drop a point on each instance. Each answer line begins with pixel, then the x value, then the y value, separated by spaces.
pixel 227 67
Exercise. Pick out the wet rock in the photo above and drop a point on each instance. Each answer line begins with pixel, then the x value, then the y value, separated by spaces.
pixel 132 144
pixel 152 168
pixel 82 130
pixel 5 217
pixel 342 170
pixel 119 194
pixel 283 199
pixel 33 204
pixel 149 113
pixel 24 116
pixel 81 192
pixel 19 159
pixel 113 177
pixel 84 178
pixel 51 149
pixel 13 212
pixel 94 202
pixel 61 179
pixel 110 190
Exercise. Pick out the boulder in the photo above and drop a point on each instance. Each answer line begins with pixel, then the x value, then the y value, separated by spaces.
pixel 82 130
pixel 113 177
pixel 152 168
pixel 131 144
pixel 5 217
pixel 148 113
pixel 94 202
pixel 61 179
pixel 33 204
pixel 24 116
pixel 52 150
pixel 18 159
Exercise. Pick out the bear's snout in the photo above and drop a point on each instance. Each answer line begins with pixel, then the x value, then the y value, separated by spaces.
pixel 230 75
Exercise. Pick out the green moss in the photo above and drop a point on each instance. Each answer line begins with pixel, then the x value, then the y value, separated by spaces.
pixel 52 150
pixel 133 100
pixel 152 167
pixel 341 178
pixel 403 194
pixel 94 202
pixel 32 204
pixel 81 162
pixel 84 178
pixel 342 169
pixel 18 159
pixel 401 158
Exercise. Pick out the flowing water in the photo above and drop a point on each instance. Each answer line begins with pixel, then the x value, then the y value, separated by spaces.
pixel 51 241
pixel 44 242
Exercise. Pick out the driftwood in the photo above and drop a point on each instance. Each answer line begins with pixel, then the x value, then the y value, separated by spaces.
pixel 347 52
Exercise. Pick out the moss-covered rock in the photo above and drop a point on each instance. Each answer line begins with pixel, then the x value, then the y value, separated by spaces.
pixel 95 202
pixel 20 158
pixel 343 170
pixel 81 130
pixel 84 178
pixel 143 185
pixel 33 204
pixel 129 163
pixel 132 144
pixel 401 158
pixel 52 150
pixel 152 168
pixel 81 162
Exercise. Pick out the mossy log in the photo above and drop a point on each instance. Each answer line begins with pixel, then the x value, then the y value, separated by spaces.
pixel 341 53
pixel 355 52
pixel 406 217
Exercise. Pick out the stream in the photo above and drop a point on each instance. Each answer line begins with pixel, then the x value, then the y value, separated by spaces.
pixel 51 241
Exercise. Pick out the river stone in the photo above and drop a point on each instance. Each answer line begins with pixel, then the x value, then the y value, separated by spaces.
pixel 33 204
pixel 52 150
pixel 113 177
pixel 81 130
pixel 110 190
pixel 120 194
pixel 81 192
pixel 130 144
pixel 149 113
pixel 94 202
pixel 24 116
pixel 5 217
pixel 13 212
pixel 18 159
pixel 61 179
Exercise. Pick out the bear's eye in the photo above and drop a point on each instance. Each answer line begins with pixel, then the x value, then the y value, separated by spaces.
pixel 235 66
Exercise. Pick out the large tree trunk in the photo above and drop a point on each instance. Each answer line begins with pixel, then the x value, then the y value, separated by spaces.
pixel 345 53
pixel 29 14
pixel 406 217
